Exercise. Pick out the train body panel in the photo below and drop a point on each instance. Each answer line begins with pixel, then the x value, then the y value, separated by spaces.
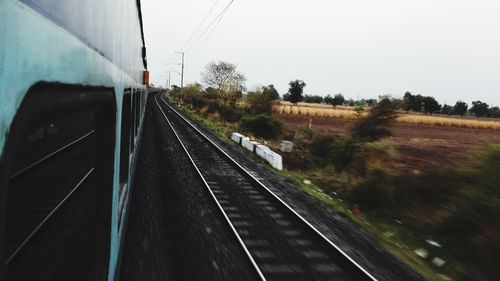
pixel 76 42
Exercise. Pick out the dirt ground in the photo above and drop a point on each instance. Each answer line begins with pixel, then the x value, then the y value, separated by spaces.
pixel 421 147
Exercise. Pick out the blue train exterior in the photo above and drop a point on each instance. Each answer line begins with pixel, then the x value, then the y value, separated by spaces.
pixel 85 59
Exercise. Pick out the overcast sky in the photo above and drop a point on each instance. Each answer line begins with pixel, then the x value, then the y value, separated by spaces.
pixel 449 49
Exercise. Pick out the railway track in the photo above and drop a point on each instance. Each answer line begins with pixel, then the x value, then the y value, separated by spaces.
pixel 280 244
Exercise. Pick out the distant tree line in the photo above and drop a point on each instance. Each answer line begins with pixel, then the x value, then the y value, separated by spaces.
pixel 410 102
pixel 429 105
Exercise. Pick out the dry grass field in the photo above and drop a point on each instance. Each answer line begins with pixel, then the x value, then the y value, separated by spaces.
pixel 348 113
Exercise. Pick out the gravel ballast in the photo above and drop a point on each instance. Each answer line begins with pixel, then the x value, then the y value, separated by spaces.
pixel 175 231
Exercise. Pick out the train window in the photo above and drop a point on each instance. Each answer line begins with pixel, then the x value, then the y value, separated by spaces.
pixel 59 158
pixel 125 149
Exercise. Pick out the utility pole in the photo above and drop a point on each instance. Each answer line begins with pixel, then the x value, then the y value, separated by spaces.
pixel 168 83
pixel 182 71
pixel 182 76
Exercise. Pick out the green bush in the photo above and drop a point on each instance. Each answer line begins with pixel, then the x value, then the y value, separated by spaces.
pixel 260 102
pixel 375 189
pixel 334 151
pixel 303 136
pixel 475 222
pixel 373 127
pixel 231 115
pixel 262 126
pixel 320 148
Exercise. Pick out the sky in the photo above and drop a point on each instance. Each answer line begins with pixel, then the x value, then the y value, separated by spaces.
pixel 449 49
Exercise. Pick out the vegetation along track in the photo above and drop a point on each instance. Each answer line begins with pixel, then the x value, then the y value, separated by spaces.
pixel 279 242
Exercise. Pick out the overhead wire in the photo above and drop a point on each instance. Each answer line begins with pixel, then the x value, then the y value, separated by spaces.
pixel 212 31
pixel 216 19
pixel 201 24
pixel 172 69
pixel 209 12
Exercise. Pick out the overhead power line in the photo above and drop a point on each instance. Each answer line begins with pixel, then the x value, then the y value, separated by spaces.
pixel 172 69
pixel 215 21
pixel 211 32
pixel 200 25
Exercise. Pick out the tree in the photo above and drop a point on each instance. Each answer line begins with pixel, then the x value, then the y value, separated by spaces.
pixel 228 82
pixel 211 93
pixel 446 109
pixel 418 104
pixel 360 107
pixel 175 92
pixel 412 102
pixel 328 99
pixel 479 108
pixel 371 102
pixel 260 102
pixel 460 108
pixel 350 102
pixel 223 77
pixel 313 99
pixel 296 91
pixel 430 105
pixel 373 127
pixel 271 91
pixel 286 97
pixel 338 99
pixel 408 101
pixel 494 112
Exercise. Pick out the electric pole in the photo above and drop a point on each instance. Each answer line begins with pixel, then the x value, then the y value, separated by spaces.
pixel 182 71
pixel 182 76
pixel 169 76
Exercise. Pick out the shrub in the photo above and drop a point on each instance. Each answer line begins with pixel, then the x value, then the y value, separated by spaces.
pixel 382 152
pixel 231 115
pixel 260 102
pixel 374 126
pixel 303 136
pixel 197 101
pixel 474 225
pixel 321 147
pixel 262 126
pixel 375 189
pixel 331 150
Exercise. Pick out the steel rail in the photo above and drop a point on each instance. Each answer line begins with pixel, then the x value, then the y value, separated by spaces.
pixel 242 244
pixel 31 166
pixel 315 230
pixel 50 215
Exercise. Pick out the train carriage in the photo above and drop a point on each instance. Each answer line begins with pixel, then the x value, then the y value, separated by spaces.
pixel 72 100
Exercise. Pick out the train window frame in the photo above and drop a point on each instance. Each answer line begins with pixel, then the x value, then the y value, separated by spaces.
pixel 132 122
pixel 54 100
pixel 125 151
pixel 136 114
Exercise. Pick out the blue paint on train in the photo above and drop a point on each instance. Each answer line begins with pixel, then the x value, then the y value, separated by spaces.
pixel 112 27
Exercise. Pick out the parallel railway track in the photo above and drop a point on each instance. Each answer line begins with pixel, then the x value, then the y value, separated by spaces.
pixel 279 243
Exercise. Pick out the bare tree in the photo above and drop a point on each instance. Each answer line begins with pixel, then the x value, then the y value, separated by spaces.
pixel 223 76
